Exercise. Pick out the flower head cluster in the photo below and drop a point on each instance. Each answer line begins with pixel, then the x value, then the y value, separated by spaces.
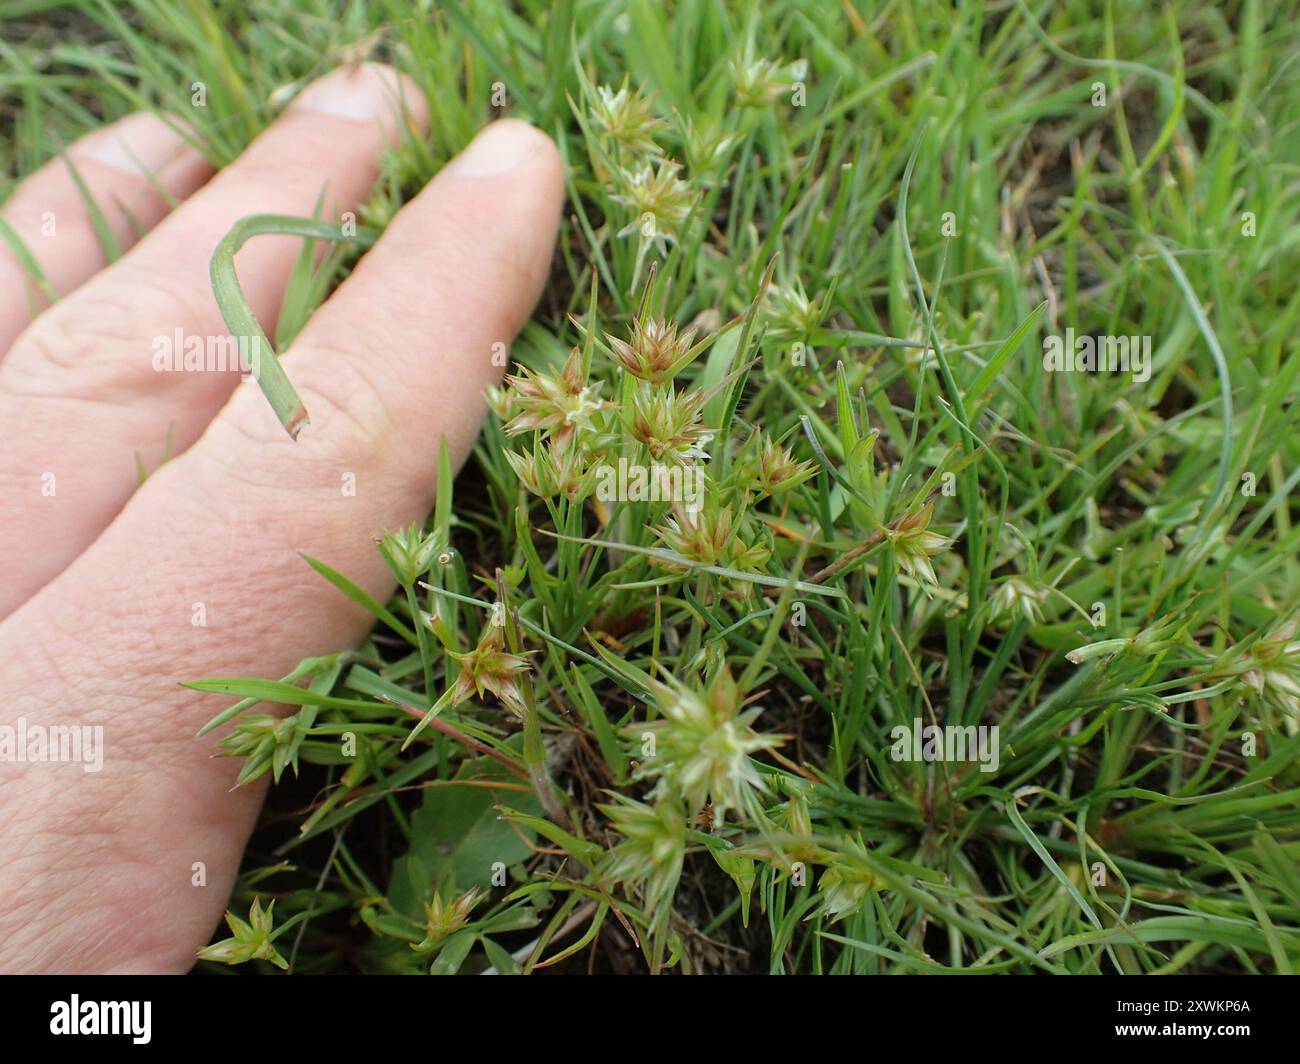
pixel 659 200
pixel 266 742
pixel 562 409
pixel 656 351
pixel 251 939
pixel 1019 598
pixel 626 118
pixel 790 312
pixel 560 405
pixel 914 545
pixel 760 82
pixel 774 470
pixel 490 667
pixel 670 424
pixel 845 884
pixel 711 535
pixel 653 846
pixel 707 147
pixel 410 553
pixel 444 918
pixel 553 468
pixel 703 743
pixel 1274 672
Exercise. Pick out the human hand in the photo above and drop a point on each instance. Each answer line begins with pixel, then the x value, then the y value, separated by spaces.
pixel 101 578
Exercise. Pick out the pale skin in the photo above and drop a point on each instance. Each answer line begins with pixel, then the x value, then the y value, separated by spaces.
pixel 99 580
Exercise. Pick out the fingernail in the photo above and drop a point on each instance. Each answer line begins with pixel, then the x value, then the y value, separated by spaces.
pixel 502 146
pixel 138 144
pixel 368 91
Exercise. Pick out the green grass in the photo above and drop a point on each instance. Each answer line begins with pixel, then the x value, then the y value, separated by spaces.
pixel 948 194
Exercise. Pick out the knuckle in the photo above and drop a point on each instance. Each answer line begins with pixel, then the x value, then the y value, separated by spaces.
pixel 346 397
pixel 63 344
pixel 100 342
pixel 347 431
